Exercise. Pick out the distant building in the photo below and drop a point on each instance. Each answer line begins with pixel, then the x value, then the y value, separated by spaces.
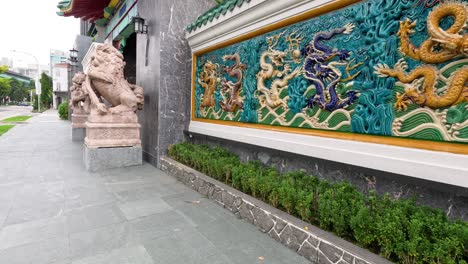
pixel 6 61
pixel 31 70
pixel 60 83
pixel 14 75
pixel 57 56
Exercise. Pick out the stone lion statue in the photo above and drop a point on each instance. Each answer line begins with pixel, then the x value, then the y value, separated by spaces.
pixel 79 97
pixel 108 90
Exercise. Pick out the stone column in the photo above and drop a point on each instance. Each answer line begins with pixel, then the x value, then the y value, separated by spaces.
pixel 164 64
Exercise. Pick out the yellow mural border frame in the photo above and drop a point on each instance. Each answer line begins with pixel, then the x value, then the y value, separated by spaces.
pixel 452 147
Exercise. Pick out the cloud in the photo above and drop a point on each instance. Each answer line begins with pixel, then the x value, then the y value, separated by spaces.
pixel 33 26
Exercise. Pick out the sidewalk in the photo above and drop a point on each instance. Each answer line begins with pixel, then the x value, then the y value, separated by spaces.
pixel 53 211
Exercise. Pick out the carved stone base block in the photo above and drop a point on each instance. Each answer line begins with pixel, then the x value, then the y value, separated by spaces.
pixel 112 131
pixel 79 120
pixel 78 134
pixel 78 127
pixel 96 159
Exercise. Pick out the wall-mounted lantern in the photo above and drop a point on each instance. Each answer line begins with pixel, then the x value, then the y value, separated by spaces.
pixel 140 27
pixel 73 57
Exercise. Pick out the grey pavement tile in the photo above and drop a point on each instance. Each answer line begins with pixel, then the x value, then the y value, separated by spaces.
pixel 144 171
pixel 193 238
pixel 160 225
pixel 4 211
pixel 183 197
pixel 170 249
pixel 177 188
pixel 35 172
pixel 44 252
pixel 217 258
pixel 223 234
pixel 128 177
pixel 141 208
pixel 13 168
pixel 196 212
pixel 77 180
pixel 81 196
pixel 253 252
pixel 92 217
pixel 100 240
pixel 135 195
pixel 130 185
pixel 255 244
pixel 65 261
pixel 238 256
pixel 33 231
pixel 128 255
pixel 46 192
pixel 20 213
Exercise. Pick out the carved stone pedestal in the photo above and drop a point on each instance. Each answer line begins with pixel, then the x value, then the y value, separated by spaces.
pixel 112 131
pixel 96 159
pixel 112 141
pixel 79 127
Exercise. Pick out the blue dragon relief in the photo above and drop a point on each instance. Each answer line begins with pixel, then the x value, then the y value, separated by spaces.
pixel 321 69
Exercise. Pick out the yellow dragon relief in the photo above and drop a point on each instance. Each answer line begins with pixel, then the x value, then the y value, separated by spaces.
pixel 451 45
pixel 209 81
pixel 442 45
pixel 456 92
pixel 271 96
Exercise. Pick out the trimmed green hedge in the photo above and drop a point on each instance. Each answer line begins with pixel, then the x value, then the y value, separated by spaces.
pixel 399 230
pixel 63 110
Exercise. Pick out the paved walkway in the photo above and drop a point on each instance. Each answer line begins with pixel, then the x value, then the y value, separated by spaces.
pixel 53 211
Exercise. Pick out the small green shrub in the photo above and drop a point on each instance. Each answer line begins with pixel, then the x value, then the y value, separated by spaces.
pixel 399 230
pixel 63 110
pixel 336 206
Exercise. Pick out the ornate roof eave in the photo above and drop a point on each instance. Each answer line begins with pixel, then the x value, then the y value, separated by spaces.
pixel 215 12
pixel 84 9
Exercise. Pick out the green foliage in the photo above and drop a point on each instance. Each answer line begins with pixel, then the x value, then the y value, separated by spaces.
pixel 46 91
pixel 35 103
pixel 3 68
pixel 19 90
pixel 5 128
pixel 63 110
pixel 4 88
pixel 337 205
pixel 399 230
pixel 16 119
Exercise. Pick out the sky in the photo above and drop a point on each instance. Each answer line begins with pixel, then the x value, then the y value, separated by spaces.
pixel 32 26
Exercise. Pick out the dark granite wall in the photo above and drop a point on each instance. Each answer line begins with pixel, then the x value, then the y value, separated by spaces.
pixel 165 72
pixel 451 199
pixel 82 44
pixel 148 76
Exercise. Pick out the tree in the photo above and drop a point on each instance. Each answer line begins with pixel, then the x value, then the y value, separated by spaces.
pixel 4 88
pixel 46 91
pixel 4 84
pixel 19 90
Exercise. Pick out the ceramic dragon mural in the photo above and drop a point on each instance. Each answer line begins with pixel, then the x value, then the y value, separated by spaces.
pixel 394 68
pixel 320 68
pixel 233 89
pixel 270 62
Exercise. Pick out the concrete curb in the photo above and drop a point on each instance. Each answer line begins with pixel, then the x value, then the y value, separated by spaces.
pixel 313 243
